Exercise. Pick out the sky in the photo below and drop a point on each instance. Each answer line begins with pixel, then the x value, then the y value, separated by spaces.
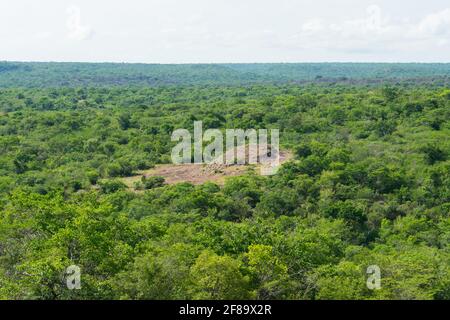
pixel 222 31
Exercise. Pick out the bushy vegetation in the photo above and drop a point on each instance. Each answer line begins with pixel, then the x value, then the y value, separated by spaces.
pixel 369 185
pixel 51 74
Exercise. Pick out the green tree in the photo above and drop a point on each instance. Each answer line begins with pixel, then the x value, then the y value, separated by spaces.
pixel 218 277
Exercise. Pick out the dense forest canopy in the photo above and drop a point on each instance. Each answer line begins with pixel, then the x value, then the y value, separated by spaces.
pixel 51 74
pixel 369 184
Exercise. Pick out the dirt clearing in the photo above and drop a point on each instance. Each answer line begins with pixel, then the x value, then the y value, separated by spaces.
pixel 198 173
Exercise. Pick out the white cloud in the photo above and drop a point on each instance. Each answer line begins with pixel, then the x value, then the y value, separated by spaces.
pixel 373 23
pixel 436 24
pixel 372 33
pixel 313 25
pixel 226 30
pixel 76 30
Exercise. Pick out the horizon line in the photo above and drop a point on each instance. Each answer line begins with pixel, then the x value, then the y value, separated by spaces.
pixel 218 63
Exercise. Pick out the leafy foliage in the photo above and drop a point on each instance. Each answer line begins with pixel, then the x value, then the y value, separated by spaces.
pixel 369 185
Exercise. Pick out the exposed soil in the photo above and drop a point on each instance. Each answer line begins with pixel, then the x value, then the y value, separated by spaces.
pixel 198 173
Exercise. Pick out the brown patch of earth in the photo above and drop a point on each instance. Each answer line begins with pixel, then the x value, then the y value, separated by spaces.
pixel 198 173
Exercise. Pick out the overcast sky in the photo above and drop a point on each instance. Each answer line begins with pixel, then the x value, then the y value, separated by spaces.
pixel 185 31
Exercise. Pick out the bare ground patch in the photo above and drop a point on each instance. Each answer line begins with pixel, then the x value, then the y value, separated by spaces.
pixel 198 173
